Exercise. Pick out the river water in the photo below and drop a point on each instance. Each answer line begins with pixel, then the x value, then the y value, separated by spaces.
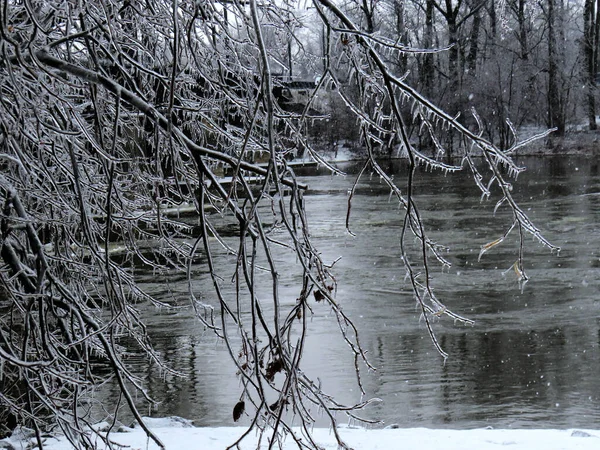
pixel 531 359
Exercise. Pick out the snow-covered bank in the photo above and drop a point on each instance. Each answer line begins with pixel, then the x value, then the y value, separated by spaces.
pixel 576 142
pixel 179 436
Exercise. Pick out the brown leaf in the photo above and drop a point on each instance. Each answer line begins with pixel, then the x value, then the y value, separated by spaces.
pixel 274 406
pixel 319 296
pixel 273 367
pixel 238 410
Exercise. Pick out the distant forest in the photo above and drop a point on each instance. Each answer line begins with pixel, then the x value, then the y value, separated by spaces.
pixel 512 63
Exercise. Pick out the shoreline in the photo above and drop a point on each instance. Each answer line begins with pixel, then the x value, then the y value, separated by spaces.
pixel 574 143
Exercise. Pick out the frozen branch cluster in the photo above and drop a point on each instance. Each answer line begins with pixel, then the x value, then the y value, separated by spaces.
pixel 112 114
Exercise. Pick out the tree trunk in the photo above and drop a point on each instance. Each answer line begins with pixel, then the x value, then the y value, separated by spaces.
pixel 596 36
pixel 493 20
pixel 523 44
pixel 453 51
pixel 589 47
pixel 474 43
pixel 428 66
pixel 556 116
pixel 369 12
pixel 402 33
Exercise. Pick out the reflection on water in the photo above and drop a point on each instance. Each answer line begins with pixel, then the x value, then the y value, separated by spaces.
pixel 531 360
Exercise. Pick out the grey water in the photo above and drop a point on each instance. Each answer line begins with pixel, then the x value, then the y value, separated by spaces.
pixel 531 359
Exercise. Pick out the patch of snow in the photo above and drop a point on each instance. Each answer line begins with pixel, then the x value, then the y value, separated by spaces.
pixel 5 444
pixel 101 427
pixel 579 433
pixel 166 422
pixel 179 434
pixel 20 439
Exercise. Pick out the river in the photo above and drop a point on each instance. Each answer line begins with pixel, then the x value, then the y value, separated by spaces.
pixel 531 359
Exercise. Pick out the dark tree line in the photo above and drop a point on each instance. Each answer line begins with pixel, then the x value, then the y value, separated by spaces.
pixel 534 63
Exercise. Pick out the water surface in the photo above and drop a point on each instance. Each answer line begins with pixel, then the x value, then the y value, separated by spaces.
pixel 532 358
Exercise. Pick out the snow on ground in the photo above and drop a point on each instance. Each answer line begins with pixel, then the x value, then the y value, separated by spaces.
pixel 179 434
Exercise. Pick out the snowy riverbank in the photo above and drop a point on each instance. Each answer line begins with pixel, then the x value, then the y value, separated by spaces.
pixel 576 142
pixel 178 435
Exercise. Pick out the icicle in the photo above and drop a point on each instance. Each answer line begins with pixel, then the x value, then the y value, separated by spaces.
pixel 500 202
pixel 489 246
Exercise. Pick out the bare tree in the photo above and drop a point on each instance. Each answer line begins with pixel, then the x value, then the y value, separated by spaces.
pixel 113 114
pixel 556 115
pixel 456 14
pixel 591 30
